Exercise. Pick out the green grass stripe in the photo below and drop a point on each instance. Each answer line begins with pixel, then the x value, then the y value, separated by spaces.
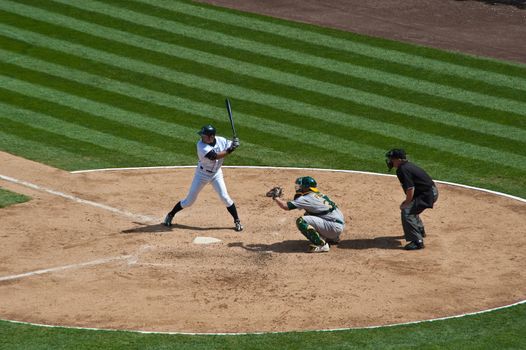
pixel 275 140
pixel 335 157
pixel 349 94
pixel 359 83
pixel 168 101
pixel 420 88
pixel 39 151
pixel 8 198
pixel 155 156
pixel 87 150
pixel 386 138
pixel 158 83
pixel 363 64
pixel 446 144
pixel 141 149
pixel 60 57
pixel 302 154
pixel 480 112
pixel 482 138
pixel 122 123
pixel 398 52
pixel 487 70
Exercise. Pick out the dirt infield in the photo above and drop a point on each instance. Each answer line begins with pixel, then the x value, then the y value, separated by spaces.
pixel 108 270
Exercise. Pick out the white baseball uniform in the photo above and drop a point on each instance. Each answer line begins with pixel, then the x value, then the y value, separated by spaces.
pixel 209 171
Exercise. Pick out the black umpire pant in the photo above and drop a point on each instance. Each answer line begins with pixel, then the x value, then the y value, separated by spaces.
pixel 411 222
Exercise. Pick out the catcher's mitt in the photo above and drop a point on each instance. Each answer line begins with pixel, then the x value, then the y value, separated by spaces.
pixel 275 192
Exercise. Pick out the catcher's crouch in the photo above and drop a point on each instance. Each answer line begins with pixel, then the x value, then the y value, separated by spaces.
pixel 322 222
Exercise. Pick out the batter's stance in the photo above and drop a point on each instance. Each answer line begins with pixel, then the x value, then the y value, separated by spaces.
pixel 211 151
pixel 322 222
pixel 420 193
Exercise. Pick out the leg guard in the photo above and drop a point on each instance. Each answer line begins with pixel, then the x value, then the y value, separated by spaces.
pixel 308 231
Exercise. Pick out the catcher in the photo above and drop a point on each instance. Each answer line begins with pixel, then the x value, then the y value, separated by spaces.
pixel 322 222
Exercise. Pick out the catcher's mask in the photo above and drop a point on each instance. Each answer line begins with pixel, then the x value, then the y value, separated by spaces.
pixel 207 130
pixel 395 153
pixel 305 184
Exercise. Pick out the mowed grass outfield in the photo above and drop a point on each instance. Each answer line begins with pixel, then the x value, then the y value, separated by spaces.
pixel 94 84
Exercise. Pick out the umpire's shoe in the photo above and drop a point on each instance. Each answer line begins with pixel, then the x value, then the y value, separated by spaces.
pixel 168 220
pixel 415 245
pixel 238 227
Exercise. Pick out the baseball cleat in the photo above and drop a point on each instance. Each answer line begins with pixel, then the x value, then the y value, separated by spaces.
pixel 168 220
pixel 414 245
pixel 319 248
pixel 238 227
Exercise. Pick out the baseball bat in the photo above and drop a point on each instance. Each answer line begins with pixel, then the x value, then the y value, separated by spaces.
pixel 229 110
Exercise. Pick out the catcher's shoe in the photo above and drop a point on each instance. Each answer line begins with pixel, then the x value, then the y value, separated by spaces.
pixel 415 245
pixel 238 227
pixel 319 248
pixel 168 220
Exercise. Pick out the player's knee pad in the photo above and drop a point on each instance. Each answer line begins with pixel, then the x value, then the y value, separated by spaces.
pixel 309 231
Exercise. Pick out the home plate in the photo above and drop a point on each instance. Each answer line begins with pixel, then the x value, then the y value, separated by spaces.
pixel 205 240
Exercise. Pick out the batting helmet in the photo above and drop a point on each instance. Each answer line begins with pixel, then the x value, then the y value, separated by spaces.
pixel 207 130
pixel 306 184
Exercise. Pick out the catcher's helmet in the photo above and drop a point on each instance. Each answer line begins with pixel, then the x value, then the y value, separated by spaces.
pixel 306 184
pixel 207 130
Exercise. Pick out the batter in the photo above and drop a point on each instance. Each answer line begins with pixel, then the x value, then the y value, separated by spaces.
pixel 211 151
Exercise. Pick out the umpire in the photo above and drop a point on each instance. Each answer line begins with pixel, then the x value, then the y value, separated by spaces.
pixel 420 193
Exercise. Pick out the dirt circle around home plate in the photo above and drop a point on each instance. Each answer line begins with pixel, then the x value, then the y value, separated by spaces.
pixel 76 262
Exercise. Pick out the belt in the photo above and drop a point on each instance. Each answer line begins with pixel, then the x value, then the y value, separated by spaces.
pixel 208 171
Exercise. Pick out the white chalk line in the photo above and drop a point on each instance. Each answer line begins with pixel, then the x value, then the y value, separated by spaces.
pixel 300 331
pixel 131 259
pixel 66 267
pixel 138 217
pixel 273 332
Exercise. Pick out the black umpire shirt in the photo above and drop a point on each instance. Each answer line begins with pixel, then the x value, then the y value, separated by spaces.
pixel 411 175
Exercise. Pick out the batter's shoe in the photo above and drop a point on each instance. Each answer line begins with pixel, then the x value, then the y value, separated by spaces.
pixel 238 227
pixel 319 248
pixel 415 245
pixel 168 220
pixel 423 232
